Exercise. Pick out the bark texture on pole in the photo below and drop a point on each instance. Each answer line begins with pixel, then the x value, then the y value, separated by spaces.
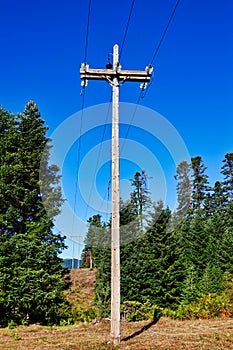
pixel 115 243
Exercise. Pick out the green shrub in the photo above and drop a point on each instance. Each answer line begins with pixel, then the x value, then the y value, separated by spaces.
pixel 15 335
pixel 206 307
pixel 84 315
pixel 136 311
pixel 11 325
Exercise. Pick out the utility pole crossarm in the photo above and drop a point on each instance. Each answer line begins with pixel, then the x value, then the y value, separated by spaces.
pixel 122 75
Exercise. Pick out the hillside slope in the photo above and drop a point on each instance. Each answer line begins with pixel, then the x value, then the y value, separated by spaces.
pixel 81 291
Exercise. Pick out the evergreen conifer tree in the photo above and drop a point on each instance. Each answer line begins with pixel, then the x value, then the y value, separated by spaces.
pixel 200 185
pixel 227 171
pixel 183 188
pixel 140 196
pixel 32 281
pixel 218 198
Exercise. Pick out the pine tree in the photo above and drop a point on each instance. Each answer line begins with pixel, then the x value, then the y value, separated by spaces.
pixel 227 171
pixel 140 196
pixel 200 185
pixel 161 243
pixel 226 243
pixel 148 272
pixel 8 170
pixel 128 223
pixel 183 189
pixel 213 271
pixel 127 213
pixel 218 198
pixel 32 275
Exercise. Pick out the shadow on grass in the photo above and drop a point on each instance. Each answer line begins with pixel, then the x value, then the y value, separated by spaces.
pixel 143 329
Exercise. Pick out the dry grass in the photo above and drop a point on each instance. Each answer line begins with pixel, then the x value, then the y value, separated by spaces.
pixel 81 291
pixel 166 334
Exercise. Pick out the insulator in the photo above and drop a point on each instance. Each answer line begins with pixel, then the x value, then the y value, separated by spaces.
pixel 84 83
pixel 85 66
pixel 109 65
pixel 143 86
pixel 149 69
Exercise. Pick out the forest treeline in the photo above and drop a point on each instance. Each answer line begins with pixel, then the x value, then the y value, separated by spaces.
pixel 170 259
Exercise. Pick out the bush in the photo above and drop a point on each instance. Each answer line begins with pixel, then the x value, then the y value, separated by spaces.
pixel 206 307
pixel 84 315
pixel 136 311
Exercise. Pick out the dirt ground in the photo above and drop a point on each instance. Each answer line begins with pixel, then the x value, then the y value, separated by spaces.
pixel 165 334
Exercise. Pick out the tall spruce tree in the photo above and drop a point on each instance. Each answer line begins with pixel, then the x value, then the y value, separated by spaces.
pixel 140 196
pixel 183 189
pixel 218 198
pixel 200 185
pixel 8 170
pixel 226 243
pixel 31 283
pixel 148 272
pixel 227 171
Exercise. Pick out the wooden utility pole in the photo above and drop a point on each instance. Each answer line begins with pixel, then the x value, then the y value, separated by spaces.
pixel 115 76
pixel 115 241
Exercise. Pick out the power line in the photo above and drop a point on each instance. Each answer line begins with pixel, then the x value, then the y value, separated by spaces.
pixel 106 198
pixel 126 29
pixel 161 40
pixel 107 193
pixel 146 89
pixel 164 32
pixel 85 61
pixel 87 31
pixel 131 120
pixel 83 94
pixel 81 118
pixel 78 157
pixel 98 158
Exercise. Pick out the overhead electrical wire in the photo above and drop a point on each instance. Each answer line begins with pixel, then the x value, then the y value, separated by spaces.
pixel 78 158
pixel 97 162
pixel 126 29
pixel 144 92
pixel 106 198
pixel 141 95
pixel 109 180
pixel 164 32
pixel 131 121
pixel 161 41
pixel 87 31
pixel 81 117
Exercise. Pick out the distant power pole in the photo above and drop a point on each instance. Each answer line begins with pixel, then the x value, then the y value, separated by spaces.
pixel 115 75
pixel 79 243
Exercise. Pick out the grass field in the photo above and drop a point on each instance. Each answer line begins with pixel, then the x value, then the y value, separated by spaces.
pixel 166 334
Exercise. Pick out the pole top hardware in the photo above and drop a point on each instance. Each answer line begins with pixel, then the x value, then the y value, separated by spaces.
pixel 109 64
pixel 144 76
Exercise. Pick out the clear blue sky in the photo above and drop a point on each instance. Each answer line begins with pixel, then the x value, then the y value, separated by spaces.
pixel 42 48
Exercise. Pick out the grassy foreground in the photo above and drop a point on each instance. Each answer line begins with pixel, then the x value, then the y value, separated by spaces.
pixel 165 334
